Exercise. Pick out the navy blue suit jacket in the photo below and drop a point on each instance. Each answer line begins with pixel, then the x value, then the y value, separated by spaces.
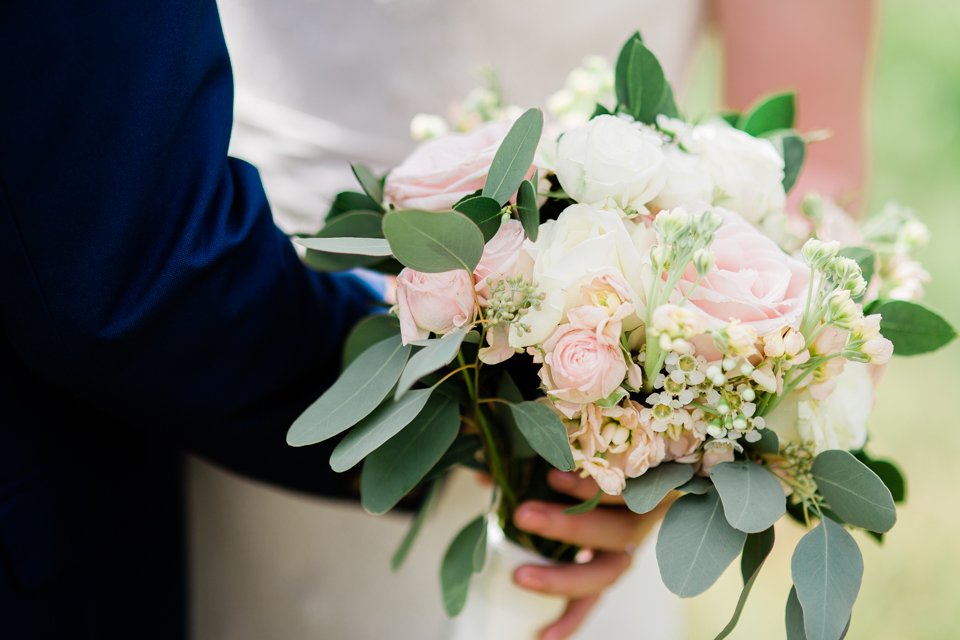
pixel 149 306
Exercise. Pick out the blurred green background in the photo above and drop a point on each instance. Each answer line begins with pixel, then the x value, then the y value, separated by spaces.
pixel 911 587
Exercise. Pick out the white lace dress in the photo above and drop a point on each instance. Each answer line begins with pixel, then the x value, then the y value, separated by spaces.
pixel 321 83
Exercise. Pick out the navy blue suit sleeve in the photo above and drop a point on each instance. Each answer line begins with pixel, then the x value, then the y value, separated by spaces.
pixel 140 267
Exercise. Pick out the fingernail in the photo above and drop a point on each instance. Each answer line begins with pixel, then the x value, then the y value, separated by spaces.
pixel 528 578
pixel 531 516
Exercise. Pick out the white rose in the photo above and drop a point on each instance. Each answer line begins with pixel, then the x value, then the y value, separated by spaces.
pixel 837 422
pixel 611 160
pixel 747 172
pixel 583 243
pixel 687 184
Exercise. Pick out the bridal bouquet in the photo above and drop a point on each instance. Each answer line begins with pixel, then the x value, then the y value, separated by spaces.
pixel 622 293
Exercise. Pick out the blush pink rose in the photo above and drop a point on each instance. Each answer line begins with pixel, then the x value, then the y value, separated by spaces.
pixel 443 170
pixel 753 281
pixel 580 365
pixel 501 257
pixel 433 302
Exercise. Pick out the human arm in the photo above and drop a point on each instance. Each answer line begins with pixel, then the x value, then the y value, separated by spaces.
pixel 140 269
pixel 821 49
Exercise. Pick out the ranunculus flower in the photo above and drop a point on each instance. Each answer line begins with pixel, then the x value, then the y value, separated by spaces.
pixel 611 160
pixel 443 170
pixel 584 243
pixel 753 282
pixel 837 422
pixel 582 365
pixel 747 172
pixel 433 302
pixel 501 257
pixel 687 183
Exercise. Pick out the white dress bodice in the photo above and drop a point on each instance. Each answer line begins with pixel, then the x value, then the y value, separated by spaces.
pixel 321 83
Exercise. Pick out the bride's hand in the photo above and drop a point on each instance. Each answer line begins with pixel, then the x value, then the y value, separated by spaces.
pixel 611 532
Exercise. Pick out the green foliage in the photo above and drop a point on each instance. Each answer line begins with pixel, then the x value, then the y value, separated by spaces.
pixel 514 157
pixel 355 394
pixel 545 432
pixel 697 485
pixel 369 182
pixel 528 209
pixel 770 114
pixel 642 89
pixel 396 561
pixel 912 328
pixel 586 506
pixel 393 470
pixel 353 224
pixel 853 491
pixel 752 497
pixel 485 212
pixel 433 242
pixel 827 570
pixel 350 246
pixel 696 544
pixel 643 494
pixel 347 201
pixel 890 474
pixel 366 333
pixel 463 451
pixel 438 354
pixel 378 427
pixel 755 551
pixel 793 150
pixel 459 564
pixel 794 617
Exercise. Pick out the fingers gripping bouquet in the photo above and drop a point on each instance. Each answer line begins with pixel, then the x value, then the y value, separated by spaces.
pixel 621 295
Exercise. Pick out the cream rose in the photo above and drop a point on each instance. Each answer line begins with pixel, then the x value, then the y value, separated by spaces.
pixel 837 422
pixel 433 302
pixel 753 282
pixel 584 243
pixel 611 160
pixel 443 170
pixel 687 183
pixel 747 172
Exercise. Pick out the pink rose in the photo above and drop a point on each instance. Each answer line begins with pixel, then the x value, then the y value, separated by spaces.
pixel 433 302
pixel 753 281
pixel 501 257
pixel 443 170
pixel 581 364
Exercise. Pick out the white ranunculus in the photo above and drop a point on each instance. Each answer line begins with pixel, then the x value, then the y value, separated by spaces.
pixel 611 160
pixel 747 172
pixel 583 243
pixel 688 185
pixel 837 422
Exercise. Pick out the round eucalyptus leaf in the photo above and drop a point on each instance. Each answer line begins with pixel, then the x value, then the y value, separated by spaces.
pixel 753 498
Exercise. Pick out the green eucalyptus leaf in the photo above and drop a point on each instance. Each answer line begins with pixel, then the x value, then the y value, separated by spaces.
pixel 355 224
pixel 794 617
pixel 366 333
pixel 433 242
pixel 770 114
pixel 768 443
pixel 396 561
pixel 752 497
pixel 393 470
pixel 463 451
pixel 384 423
pixel 429 359
pixel 827 571
pixel 643 494
pixel 355 394
pixel 697 485
pixel 586 506
pixel 545 432
pixel 529 209
pixel 853 491
pixel 480 551
pixel 793 150
pixel 458 565
pixel 485 212
pixel 730 117
pixel 696 544
pixel 347 201
pixel 891 476
pixel 513 159
pixel 912 328
pixel 755 552
pixel 352 246
pixel 369 182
